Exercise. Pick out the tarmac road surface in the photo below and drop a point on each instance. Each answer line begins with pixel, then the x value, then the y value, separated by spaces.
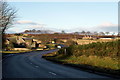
pixel 32 65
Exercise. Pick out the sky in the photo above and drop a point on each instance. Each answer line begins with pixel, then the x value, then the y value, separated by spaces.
pixel 67 16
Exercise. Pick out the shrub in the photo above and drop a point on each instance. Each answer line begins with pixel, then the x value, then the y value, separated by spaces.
pixel 9 46
pixel 99 49
pixel 70 42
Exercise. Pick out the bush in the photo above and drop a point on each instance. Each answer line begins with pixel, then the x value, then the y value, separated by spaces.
pixel 70 42
pixel 99 49
pixel 9 46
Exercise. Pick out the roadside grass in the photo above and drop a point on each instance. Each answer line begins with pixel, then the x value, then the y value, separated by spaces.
pixel 50 54
pixel 91 63
pixel 105 62
pixel 101 56
pixel 15 51
pixel 51 46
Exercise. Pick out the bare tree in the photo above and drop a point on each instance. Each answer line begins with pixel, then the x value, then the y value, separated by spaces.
pixel 7 17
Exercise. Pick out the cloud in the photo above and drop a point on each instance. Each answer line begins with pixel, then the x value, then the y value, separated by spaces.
pixel 63 0
pixel 38 26
pixel 26 22
pixel 30 24
pixel 23 25
pixel 108 26
pixel 103 27
pixel 14 30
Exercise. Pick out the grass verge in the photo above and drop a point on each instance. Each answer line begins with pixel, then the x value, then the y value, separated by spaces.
pixel 100 57
pixel 105 66
pixel 15 51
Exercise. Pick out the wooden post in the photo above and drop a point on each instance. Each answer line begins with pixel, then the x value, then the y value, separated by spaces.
pixel 65 50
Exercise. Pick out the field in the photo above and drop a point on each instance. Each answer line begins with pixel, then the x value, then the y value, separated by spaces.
pixel 81 41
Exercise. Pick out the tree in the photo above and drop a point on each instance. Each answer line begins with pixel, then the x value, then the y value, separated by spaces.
pixel 113 33
pixel 102 33
pixel 107 33
pixel 26 31
pixel 7 17
pixel 63 32
pixel 71 42
pixel 76 33
pixel 33 30
pixel 18 34
pixel 83 32
pixel 38 30
pixel 88 32
pixel 95 33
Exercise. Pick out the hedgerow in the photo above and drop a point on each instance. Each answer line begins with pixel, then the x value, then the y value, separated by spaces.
pixel 102 49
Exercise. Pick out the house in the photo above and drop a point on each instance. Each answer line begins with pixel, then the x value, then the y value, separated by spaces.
pixel 7 41
pixel 38 41
pixel 23 42
pixel 33 43
pixel 30 43
pixel 10 40
pixel 87 37
pixel 20 39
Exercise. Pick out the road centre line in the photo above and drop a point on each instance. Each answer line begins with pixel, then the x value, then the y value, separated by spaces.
pixel 52 73
pixel 36 66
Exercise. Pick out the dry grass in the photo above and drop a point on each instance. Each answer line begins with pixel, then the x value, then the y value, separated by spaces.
pixel 50 54
pixel 82 42
pixel 105 62
pixel 15 51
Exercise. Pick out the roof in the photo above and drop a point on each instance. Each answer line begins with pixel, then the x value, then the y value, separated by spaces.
pixel 27 38
pixel 12 40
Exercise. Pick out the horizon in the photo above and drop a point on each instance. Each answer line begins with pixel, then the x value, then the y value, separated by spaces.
pixel 67 16
pixel 53 32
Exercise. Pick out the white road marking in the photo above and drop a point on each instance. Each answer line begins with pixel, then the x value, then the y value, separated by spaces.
pixel 36 66
pixel 52 73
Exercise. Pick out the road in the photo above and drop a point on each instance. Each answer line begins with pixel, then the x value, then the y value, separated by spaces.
pixel 32 65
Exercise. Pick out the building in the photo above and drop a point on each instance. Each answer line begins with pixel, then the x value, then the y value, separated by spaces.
pixel 23 42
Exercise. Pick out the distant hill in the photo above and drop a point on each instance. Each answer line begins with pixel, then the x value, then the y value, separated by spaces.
pixel 38 32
